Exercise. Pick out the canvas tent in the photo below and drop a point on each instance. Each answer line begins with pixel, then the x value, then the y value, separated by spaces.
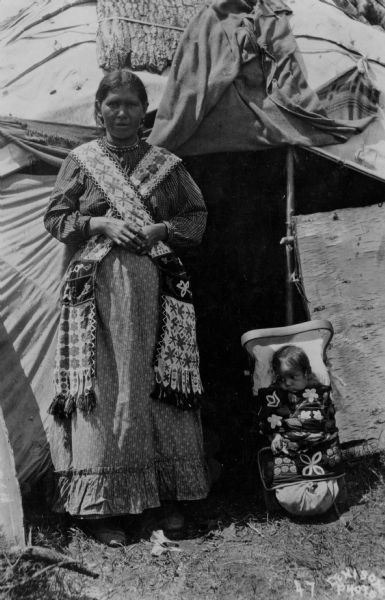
pixel 48 76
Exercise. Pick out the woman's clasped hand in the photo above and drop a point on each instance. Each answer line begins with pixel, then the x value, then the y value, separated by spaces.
pixel 139 241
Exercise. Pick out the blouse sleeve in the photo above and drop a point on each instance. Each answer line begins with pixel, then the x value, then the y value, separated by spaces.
pixel 187 214
pixel 63 219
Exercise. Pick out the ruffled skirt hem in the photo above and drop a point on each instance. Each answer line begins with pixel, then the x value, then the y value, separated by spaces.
pixel 106 492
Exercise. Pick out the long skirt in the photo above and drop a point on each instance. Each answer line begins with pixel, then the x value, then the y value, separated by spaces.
pixel 132 452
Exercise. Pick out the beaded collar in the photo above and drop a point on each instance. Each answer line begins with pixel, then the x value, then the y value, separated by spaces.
pixel 120 149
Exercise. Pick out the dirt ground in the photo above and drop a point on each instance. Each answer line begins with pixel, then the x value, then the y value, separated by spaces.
pixel 231 550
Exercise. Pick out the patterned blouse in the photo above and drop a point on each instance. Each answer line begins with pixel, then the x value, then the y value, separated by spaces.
pixel 177 201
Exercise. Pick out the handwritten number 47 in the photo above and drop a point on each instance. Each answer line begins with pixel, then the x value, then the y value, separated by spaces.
pixel 300 590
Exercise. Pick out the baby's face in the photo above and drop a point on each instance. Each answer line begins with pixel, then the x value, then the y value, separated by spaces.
pixel 291 380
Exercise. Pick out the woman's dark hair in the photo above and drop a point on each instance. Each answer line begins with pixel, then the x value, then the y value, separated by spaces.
pixel 293 357
pixel 115 80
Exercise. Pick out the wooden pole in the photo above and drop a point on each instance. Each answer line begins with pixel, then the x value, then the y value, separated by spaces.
pixel 289 235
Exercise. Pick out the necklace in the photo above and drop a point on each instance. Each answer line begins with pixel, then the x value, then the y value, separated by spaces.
pixel 120 154
pixel 114 148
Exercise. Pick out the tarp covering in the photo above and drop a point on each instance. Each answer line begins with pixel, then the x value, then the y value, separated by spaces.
pixel 332 44
pixel 237 82
pixel 48 70
pixel 48 64
pixel 30 268
pixel 24 142
pixel 218 109
pixel 11 512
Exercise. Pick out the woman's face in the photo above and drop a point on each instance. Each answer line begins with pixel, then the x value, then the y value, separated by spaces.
pixel 122 113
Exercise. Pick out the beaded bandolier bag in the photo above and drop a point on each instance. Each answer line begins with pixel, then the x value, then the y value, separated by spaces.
pixel 176 360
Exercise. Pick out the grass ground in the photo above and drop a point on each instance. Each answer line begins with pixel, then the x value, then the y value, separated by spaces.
pixel 231 550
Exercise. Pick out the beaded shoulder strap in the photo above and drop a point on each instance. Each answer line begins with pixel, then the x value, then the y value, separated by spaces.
pixel 126 194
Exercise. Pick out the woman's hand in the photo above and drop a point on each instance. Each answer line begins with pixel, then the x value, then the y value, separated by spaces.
pixel 138 241
pixel 277 443
pixel 151 234
pixel 119 232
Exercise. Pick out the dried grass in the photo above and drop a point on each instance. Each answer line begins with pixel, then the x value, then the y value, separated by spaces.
pixel 232 549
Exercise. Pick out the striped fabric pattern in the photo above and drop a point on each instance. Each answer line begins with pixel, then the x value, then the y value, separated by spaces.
pixel 351 96
pixel 75 199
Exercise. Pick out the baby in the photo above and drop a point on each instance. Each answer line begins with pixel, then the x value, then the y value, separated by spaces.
pixel 297 415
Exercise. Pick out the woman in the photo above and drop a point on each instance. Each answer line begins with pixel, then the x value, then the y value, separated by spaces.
pixel 126 434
